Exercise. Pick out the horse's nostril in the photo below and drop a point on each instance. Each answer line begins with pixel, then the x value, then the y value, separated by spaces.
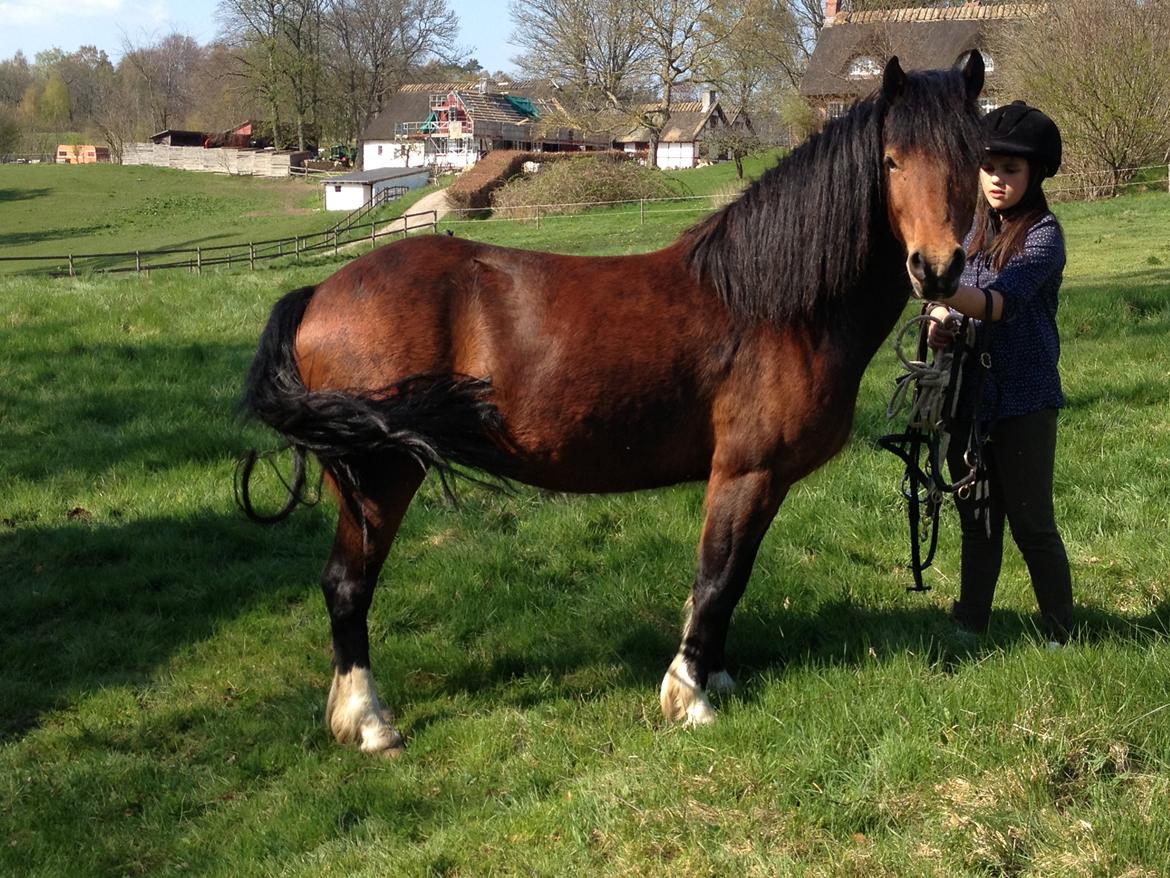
pixel 916 265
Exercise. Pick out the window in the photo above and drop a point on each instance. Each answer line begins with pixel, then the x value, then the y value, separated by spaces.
pixel 835 109
pixel 986 105
pixel 379 149
pixel 337 187
pixel 988 62
pixel 864 67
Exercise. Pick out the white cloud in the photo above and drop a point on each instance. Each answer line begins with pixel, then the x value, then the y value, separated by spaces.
pixel 32 12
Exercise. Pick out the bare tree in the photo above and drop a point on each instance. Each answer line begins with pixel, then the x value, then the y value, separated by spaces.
pixel 596 50
pixel 375 43
pixel 683 35
pixel 163 71
pixel 278 44
pixel 1104 77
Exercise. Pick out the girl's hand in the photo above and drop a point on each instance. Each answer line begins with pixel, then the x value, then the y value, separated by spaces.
pixel 942 328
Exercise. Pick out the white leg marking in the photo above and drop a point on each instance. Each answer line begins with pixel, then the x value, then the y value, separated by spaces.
pixel 356 715
pixel 682 698
pixel 721 683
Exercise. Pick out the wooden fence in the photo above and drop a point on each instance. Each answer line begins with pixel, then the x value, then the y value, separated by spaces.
pixel 350 231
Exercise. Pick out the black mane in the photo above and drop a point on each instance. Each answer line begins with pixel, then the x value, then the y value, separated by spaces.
pixel 801 236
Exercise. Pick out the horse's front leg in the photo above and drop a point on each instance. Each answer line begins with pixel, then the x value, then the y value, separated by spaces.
pixel 740 507
pixel 354 713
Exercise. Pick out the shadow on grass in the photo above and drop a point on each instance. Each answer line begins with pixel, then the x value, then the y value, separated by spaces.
pixel 92 407
pixel 89 606
pixel 616 649
pixel 23 194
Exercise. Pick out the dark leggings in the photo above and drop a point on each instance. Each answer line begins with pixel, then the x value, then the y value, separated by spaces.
pixel 1019 458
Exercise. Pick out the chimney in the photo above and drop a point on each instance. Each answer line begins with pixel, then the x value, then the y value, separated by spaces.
pixel 830 11
pixel 483 86
pixel 708 99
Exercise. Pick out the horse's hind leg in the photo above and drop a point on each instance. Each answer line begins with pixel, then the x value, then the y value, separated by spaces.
pixel 739 509
pixel 354 712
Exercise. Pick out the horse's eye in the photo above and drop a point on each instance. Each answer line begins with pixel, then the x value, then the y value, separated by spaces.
pixel 891 165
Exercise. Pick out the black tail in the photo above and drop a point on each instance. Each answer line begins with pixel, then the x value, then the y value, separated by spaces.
pixel 444 421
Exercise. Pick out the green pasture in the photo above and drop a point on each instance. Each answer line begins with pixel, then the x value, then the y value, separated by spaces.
pixel 58 210
pixel 164 663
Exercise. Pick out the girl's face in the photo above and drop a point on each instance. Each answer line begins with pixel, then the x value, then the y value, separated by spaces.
pixel 1004 179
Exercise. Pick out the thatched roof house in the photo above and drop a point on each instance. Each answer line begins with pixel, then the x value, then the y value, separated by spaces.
pixel 853 47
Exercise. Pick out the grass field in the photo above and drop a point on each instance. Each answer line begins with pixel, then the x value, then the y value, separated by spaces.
pixel 58 210
pixel 164 662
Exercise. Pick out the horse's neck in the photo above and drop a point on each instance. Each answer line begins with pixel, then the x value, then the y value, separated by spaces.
pixel 869 314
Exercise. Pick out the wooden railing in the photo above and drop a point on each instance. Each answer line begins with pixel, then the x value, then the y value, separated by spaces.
pixel 195 259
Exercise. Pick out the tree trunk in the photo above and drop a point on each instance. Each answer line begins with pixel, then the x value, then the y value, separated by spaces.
pixel 652 158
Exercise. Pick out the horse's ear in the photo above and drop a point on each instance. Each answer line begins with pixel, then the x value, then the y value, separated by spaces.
pixel 893 79
pixel 973 74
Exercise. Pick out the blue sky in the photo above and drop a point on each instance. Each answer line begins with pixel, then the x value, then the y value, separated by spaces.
pixel 35 25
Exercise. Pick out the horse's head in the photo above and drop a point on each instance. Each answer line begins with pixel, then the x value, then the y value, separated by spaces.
pixel 931 145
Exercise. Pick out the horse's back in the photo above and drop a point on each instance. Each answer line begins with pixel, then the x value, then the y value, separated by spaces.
pixel 592 360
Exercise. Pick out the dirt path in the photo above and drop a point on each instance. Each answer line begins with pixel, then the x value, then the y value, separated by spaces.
pixel 436 201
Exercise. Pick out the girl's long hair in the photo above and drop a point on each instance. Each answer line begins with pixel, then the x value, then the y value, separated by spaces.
pixel 998 236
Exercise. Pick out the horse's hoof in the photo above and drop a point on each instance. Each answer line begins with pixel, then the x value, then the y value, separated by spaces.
pixel 356 716
pixel 382 740
pixel 682 699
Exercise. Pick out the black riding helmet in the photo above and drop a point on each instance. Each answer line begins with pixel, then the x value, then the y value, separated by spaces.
pixel 1018 129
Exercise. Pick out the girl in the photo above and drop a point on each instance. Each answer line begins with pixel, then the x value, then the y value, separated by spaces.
pixel 1015 250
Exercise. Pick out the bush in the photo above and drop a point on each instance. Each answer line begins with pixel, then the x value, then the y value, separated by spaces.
pixel 570 186
pixel 473 188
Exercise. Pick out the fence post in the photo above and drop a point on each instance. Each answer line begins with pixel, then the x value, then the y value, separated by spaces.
pixel 334 242
pixel 71 265
pixel 1168 178
pixel 404 225
pixel 641 211
pixel 199 260
pixel 137 262
pixel 251 256
pixel 373 235
pixel 538 217
pixel 297 247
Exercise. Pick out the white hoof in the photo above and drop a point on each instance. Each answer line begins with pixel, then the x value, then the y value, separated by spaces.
pixel 720 683
pixel 682 698
pixel 356 716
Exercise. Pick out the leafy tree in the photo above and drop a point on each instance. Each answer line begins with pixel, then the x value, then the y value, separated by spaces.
pixel 734 143
pixel 52 106
pixel 10 135
pixel 15 77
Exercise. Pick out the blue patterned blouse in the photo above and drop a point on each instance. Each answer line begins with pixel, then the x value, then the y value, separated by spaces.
pixel 1025 346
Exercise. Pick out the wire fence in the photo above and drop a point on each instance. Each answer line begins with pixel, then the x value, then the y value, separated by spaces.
pixel 1062 186
pixel 357 228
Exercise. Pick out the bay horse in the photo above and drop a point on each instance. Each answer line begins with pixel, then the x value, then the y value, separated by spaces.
pixel 734 355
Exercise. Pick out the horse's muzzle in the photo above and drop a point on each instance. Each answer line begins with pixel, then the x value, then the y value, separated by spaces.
pixel 932 280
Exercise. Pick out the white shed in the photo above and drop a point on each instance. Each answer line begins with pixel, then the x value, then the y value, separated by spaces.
pixel 357 189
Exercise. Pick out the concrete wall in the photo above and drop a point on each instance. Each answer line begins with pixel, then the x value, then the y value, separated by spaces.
pixel 346 196
pixel 394 154
pixel 391 154
pixel 245 162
